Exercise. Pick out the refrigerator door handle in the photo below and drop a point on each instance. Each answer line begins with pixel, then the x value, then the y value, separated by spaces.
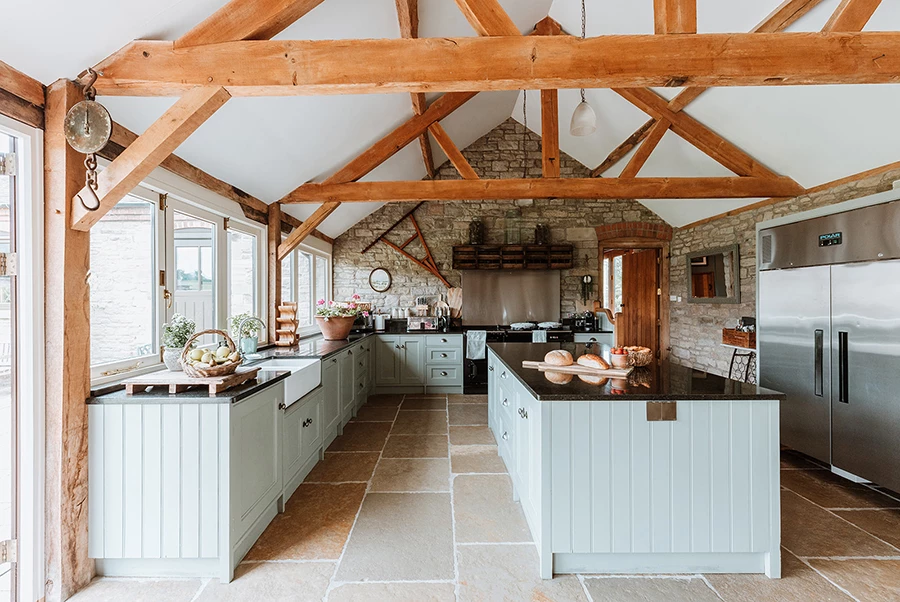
pixel 819 351
pixel 843 368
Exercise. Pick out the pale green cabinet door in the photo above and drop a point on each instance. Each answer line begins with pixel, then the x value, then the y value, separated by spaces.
pixel 331 382
pixel 388 359
pixel 413 368
pixel 348 384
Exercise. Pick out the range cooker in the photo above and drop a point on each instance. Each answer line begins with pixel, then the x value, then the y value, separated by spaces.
pixel 475 377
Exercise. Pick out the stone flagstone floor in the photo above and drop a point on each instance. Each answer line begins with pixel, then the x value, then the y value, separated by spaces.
pixel 412 503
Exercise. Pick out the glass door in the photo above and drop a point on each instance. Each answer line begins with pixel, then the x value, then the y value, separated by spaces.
pixel 8 385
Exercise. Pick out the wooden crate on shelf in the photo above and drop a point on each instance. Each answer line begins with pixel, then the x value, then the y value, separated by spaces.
pixel 513 257
pixel 738 338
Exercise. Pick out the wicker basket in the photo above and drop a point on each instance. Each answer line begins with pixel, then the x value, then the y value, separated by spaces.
pixel 215 371
pixel 639 356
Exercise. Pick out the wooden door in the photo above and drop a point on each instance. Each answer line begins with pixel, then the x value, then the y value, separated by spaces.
pixel 703 285
pixel 640 299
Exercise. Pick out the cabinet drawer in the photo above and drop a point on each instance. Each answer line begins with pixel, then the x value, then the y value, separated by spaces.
pixel 359 389
pixel 443 340
pixel 360 365
pixel 444 355
pixel 506 401
pixel 505 443
pixel 444 375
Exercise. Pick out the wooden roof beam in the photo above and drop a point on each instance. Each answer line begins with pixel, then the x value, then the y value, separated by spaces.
pixel 273 68
pixel 851 15
pixel 563 188
pixel 147 152
pixel 247 20
pixel 787 13
pixel 453 153
pixel 488 18
pixel 300 233
pixel 675 16
pixel 654 136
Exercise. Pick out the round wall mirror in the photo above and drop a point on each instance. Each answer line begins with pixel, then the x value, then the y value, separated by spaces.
pixel 380 280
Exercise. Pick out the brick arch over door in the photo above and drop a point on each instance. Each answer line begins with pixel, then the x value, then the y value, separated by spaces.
pixel 630 230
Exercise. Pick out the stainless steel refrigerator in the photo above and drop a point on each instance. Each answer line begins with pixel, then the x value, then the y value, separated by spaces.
pixel 829 337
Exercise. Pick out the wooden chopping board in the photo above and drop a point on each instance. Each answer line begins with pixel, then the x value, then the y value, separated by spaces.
pixel 178 382
pixel 577 369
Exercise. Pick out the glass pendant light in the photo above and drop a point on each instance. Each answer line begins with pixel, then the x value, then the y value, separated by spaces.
pixel 584 120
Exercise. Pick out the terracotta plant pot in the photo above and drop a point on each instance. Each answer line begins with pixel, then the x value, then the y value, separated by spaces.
pixel 336 329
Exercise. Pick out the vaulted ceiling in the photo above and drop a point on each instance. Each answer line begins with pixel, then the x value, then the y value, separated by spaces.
pixel 269 146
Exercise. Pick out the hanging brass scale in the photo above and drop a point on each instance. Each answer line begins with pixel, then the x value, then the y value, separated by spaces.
pixel 88 127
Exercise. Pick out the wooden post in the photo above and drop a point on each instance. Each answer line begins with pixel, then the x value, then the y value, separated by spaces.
pixel 274 239
pixel 68 336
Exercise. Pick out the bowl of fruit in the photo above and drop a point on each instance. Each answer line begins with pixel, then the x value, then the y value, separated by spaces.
pixel 208 363
pixel 618 357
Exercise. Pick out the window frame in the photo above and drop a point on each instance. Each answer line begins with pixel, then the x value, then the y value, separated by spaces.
pixel 187 197
pixel 112 371
pixel 316 253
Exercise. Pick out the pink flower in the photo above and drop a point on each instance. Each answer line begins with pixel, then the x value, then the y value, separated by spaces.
pixel 330 303
pixel 355 297
pixel 365 314
pixel 351 306
pixel 320 302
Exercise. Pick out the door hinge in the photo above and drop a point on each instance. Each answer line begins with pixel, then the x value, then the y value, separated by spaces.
pixel 9 164
pixel 658 292
pixel 163 201
pixel 9 264
pixel 8 551
pixel 162 277
pixel 227 221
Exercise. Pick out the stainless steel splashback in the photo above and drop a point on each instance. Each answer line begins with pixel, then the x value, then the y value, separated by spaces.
pixel 866 234
pixel 498 297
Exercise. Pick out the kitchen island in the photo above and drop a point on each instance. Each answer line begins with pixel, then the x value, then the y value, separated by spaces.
pixel 671 470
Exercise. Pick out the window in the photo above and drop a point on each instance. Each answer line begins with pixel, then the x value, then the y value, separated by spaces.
pixel 148 264
pixel 304 288
pixel 122 284
pixel 242 266
pixel 306 278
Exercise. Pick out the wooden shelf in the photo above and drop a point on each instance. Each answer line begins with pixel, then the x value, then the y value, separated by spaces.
pixel 513 257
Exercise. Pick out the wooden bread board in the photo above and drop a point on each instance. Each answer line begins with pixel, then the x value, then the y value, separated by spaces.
pixel 577 369
pixel 178 382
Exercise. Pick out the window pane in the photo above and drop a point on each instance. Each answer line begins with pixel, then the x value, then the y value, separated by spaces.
pixel 287 278
pixel 123 287
pixel 304 288
pixel 322 276
pixel 242 270
pixel 195 267
pixel 7 369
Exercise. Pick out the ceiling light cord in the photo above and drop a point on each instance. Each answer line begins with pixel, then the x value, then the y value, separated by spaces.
pixel 584 120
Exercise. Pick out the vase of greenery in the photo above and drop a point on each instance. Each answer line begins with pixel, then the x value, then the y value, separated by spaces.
pixel 250 328
pixel 175 336
pixel 335 320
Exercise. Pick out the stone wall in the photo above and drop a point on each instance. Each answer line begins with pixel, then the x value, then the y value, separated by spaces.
pixel 696 329
pixel 444 224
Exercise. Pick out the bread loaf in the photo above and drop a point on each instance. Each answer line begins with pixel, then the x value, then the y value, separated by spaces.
pixel 559 357
pixel 589 360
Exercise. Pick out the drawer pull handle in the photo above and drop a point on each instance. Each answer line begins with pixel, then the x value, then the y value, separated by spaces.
pixel 360 363
pixel 505 436
pixel 443 374
pixel 523 413
pixel 490 368
pixel 282 406
pixel 307 422
pixel 505 402
pixel 443 355
pixel 503 375
pixel 334 360
pixel 443 340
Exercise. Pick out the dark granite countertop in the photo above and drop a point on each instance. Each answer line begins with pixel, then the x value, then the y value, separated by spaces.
pixel 661 381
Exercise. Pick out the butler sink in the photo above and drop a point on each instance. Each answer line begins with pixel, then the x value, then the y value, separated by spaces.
pixel 306 375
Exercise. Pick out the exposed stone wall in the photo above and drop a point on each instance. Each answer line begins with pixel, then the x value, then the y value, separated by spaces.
pixel 444 224
pixel 696 329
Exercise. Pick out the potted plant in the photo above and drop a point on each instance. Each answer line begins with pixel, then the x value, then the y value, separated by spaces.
pixel 335 320
pixel 249 326
pixel 175 336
